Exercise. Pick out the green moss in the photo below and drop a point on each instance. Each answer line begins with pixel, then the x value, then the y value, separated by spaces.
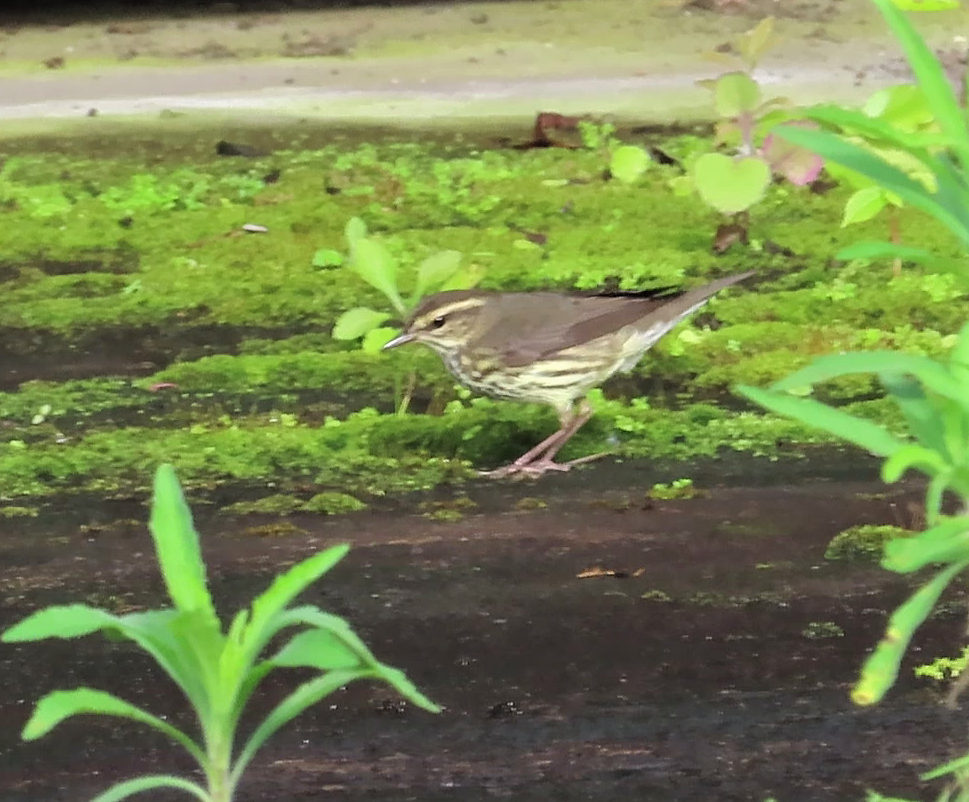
pixel 530 503
pixel 816 630
pixel 333 503
pixel 19 512
pixel 679 488
pixel 127 257
pixel 276 504
pixel 864 543
pixel 279 529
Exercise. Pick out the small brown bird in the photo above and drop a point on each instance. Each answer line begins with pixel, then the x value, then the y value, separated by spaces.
pixel 547 347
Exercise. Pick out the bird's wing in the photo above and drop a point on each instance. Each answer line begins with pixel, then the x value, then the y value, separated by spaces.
pixel 548 322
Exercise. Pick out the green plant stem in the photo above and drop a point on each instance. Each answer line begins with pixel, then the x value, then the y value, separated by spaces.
pixel 408 393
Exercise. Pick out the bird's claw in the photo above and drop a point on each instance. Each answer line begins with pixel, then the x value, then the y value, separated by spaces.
pixel 538 467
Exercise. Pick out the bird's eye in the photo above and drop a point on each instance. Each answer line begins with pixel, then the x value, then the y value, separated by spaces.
pixel 438 322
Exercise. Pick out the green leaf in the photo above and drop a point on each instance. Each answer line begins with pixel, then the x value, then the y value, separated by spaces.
pixel 911 456
pixel 356 322
pixel 836 149
pixel 881 668
pixel 177 545
pixel 62 621
pixel 959 359
pixel 374 264
pixel 375 339
pixel 628 163
pixel 922 417
pixel 945 542
pixel 735 93
pixel 284 588
pixel 327 257
pixel 354 231
pixel 305 696
pixel 926 5
pixel 316 648
pixel 731 185
pixel 871 249
pixel 931 78
pixel 863 205
pixel 933 375
pixel 434 271
pixel 315 617
pixel 151 782
pixel 56 706
pixel 757 41
pixel 855 430
pixel 464 279
pixel 868 132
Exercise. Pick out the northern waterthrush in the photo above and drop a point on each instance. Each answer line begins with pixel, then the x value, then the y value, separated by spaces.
pixel 547 347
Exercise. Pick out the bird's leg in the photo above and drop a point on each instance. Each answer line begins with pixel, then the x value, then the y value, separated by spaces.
pixel 539 459
pixel 534 453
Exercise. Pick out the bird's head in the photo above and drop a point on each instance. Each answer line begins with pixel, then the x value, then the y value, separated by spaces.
pixel 444 322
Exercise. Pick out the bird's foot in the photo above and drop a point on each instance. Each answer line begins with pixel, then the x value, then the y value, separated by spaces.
pixel 538 467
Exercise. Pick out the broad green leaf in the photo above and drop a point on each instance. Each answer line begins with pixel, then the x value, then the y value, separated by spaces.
pixel 67 621
pixel 56 706
pixel 468 276
pixel 863 205
pixel 959 359
pixel 931 78
pixel 926 5
pixel 375 339
pixel 151 782
pixel 836 149
pixel 943 543
pixel 911 456
pixel 434 271
pixel 731 185
pixel 933 375
pixel 903 106
pixel 356 322
pixel 354 231
pixel 881 668
pixel 327 257
pixel 177 545
pixel 375 265
pixel 628 163
pixel 735 93
pixel 870 249
pixel 921 415
pixel 934 494
pixel 757 41
pixel 286 587
pixel 156 632
pixel 316 648
pixel 866 131
pixel 855 430
pixel 314 617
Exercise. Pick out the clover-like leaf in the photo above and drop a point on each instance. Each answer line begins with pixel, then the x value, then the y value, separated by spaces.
pixel 357 322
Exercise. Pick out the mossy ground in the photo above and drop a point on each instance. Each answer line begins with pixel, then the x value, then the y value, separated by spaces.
pixel 126 268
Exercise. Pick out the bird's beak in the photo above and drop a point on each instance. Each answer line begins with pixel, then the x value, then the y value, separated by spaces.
pixel 400 339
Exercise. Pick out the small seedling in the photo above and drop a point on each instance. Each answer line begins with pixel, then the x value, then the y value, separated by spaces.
pixel 628 163
pixel 896 112
pixel 732 184
pixel 370 260
pixel 217 670
pixel 679 488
